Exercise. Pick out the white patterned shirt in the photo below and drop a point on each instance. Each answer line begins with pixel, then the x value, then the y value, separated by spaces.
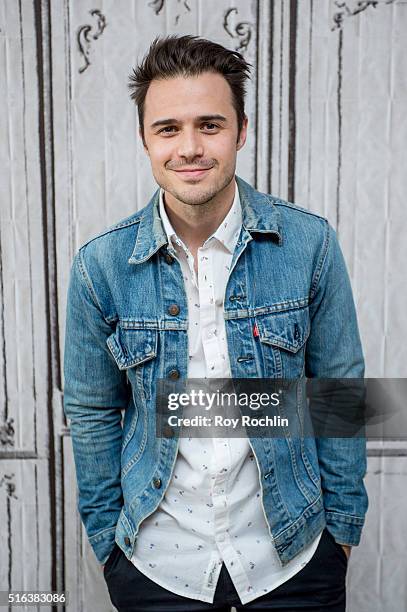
pixel 212 510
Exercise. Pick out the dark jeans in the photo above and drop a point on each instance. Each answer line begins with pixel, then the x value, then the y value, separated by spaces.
pixel 318 587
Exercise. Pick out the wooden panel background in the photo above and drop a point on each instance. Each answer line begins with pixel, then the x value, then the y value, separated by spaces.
pixel 326 106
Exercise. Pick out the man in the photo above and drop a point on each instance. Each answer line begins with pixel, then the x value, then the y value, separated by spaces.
pixel 211 279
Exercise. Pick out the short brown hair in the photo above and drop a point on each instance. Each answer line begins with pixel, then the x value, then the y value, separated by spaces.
pixel 189 56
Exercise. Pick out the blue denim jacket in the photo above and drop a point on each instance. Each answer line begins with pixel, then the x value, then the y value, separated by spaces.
pixel 288 277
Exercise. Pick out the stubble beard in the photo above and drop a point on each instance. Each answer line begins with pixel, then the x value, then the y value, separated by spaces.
pixel 194 196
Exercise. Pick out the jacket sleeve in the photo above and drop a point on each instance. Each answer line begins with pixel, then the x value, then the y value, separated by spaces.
pixel 334 351
pixel 95 392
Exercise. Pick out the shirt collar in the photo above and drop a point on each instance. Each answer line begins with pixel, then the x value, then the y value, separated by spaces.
pixel 227 233
pixel 168 229
pixel 260 214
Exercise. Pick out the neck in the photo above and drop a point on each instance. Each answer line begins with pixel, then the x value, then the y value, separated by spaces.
pixel 195 223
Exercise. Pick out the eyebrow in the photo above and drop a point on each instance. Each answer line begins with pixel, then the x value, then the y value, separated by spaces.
pixel 200 118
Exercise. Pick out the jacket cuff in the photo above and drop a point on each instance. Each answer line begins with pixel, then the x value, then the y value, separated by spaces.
pixel 103 543
pixel 345 528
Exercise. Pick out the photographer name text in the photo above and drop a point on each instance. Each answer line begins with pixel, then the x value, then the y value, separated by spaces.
pixel 221 421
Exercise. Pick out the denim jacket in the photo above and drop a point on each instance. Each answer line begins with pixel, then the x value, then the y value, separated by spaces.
pixel 288 278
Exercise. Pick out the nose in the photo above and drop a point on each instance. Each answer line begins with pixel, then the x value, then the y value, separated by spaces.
pixel 190 144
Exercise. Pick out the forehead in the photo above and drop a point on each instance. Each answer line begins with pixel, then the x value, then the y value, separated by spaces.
pixel 184 97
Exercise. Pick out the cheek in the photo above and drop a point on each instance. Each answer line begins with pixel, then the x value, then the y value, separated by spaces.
pixel 224 149
pixel 159 155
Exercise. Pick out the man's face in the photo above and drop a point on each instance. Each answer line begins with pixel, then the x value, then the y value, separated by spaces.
pixel 191 136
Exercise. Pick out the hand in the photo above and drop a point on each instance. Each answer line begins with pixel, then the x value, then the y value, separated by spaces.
pixel 347 550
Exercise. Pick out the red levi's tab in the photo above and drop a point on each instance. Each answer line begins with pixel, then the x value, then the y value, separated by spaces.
pixel 255 331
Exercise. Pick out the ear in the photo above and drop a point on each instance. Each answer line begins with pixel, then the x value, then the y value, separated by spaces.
pixel 243 134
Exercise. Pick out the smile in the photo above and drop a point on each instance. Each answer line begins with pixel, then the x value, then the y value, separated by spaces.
pixel 192 173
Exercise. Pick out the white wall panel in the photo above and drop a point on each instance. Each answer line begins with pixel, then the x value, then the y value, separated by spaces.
pixel 326 106
pixel 25 501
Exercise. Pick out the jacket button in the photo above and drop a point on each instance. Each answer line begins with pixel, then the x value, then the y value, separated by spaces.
pixel 169 259
pixel 174 374
pixel 168 431
pixel 173 310
pixel 127 541
pixel 157 483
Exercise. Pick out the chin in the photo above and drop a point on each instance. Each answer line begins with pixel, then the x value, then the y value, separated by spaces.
pixel 194 197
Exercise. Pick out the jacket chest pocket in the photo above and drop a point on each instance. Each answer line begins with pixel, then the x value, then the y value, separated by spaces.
pixel 131 346
pixel 135 350
pixel 283 337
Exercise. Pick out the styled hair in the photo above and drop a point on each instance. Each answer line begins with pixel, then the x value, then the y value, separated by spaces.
pixel 186 56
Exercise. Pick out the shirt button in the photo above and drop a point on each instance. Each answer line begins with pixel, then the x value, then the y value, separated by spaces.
pixel 157 483
pixel 173 310
pixel 174 374
pixel 127 541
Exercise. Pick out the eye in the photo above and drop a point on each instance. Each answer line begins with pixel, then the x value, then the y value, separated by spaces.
pixel 211 127
pixel 167 129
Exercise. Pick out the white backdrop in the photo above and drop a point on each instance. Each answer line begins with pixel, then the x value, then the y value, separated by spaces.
pixel 327 110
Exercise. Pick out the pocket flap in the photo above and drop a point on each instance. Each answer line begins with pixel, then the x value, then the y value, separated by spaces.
pixel 132 347
pixel 288 330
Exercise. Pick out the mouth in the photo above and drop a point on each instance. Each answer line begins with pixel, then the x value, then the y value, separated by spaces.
pixel 192 173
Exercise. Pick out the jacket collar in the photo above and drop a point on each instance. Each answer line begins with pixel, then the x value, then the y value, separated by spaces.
pixel 259 214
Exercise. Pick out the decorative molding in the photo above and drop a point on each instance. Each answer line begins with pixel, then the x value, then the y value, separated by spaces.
pixel 9 485
pixel 242 31
pixel 7 433
pixel 349 9
pixel 85 36
pixel 158 5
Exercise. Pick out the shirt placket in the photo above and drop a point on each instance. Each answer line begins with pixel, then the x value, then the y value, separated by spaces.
pixel 210 340
pixel 227 550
